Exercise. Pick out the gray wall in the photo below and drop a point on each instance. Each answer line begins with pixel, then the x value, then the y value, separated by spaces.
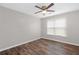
pixel 72 28
pixel 17 28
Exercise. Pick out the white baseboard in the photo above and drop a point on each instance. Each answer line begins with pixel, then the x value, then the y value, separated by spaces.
pixel 18 44
pixel 37 39
pixel 61 41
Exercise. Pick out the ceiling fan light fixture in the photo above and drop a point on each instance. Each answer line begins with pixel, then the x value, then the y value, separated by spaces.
pixel 44 11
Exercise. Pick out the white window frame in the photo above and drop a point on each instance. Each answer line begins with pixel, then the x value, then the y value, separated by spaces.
pixel 54 28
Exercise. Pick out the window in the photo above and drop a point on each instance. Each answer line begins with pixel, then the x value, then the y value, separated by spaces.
pixel 56 27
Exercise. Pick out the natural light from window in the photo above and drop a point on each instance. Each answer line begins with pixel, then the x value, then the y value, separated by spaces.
pixel 56 27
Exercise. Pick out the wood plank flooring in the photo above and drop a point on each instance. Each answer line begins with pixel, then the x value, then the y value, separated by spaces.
pixel 43 47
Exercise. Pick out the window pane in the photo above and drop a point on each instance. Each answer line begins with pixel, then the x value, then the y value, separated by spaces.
pixel 50 31
pixel 56 27
pixel 60 31
pixel 60 23
pixel 50 23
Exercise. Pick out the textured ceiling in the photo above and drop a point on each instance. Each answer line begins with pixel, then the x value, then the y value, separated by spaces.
pixel 29 8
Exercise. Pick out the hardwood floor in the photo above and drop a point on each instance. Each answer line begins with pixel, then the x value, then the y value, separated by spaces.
pixel 43 47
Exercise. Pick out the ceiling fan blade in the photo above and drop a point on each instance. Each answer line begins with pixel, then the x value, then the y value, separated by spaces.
pixel 50 10
pixel 38 7
pixel 50 5
pixel 38 12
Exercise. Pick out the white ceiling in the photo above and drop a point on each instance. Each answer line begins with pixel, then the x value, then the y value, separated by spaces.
pixel 29 8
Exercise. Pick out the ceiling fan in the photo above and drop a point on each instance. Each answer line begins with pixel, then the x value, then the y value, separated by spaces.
pixel 44 8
